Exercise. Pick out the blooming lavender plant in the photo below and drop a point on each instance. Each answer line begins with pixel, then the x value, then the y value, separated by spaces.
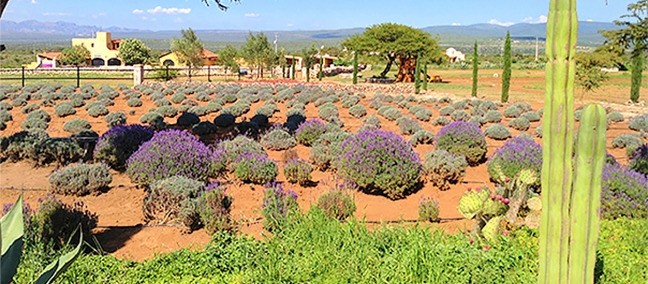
pixel 214 206
pixel 639 160
pixel 171 153
pixel 624 193
pixel 309 131
pixel 463 138
pixel 381 162
pixel 515 155
pixel 255 168
pixel 277 205
pixel 297 171
pixel 119 143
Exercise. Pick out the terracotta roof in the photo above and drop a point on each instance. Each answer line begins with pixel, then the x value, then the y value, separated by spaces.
pixel 207 54
pixel 50 54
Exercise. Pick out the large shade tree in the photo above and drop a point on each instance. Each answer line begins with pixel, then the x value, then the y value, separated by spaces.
pixel 227 57
pixel 633 35
pixel 396 43
pixel 134 51
pixel 189 49
pixel 76 55
pixel 257 52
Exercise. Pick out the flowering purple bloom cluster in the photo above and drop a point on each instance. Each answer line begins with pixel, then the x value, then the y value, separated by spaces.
pixel 639 160
pixel 171 153
pixel 309 131
pixel 624 193
pixel 380 161
pixel 463 138
pixel 119 143
pixel 277 204
pixel 515 155
pixel 255 168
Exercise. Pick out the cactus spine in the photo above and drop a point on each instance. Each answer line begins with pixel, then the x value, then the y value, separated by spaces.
pixel 355 67
pixel 475 66
pixel 569 221
pixel 506 73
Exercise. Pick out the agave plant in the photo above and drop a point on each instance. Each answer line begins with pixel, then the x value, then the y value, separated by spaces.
pixel 12 230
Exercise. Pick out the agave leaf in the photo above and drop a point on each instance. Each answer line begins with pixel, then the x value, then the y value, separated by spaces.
pixel 11 230
pixel 59 266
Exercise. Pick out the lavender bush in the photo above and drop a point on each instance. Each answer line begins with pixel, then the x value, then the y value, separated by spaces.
pixel 277 205
pixel 327 149
pixel 309 131
pixel 624 193
pixel 297 171
pixel 277 140
pixel 172 201
pixel 428 210
pixel 172 153
pixel 639 160
pixel 463 138
pixel 381 162
pixel 214 206
pixel 336 204
pixel 443 168
pixel 255 168
pixel 515 155
pixel 240 145
pixel 117 144
pixel 80 179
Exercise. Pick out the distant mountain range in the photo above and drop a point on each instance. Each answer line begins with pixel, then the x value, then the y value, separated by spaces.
pixel 33 31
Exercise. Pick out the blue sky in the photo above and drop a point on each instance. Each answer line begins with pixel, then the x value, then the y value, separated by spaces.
pixel 260 15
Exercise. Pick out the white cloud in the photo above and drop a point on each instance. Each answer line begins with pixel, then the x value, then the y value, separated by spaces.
pixel 289 25
pixel 34 2
pixel 496 22
pixel 138 11
pixel 456 24
pixel 590 20
pixel 539 20
pixel 168 11
pixel 252 15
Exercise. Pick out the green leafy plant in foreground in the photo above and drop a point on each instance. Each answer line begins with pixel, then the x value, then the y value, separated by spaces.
pixel 12 230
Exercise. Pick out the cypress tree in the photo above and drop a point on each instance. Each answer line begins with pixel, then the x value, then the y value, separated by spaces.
pixel 637 69
pixel 474 71
pixel 506 74
pixel 293 69
pixel 355 67
pixel 417 75
pixel 425 76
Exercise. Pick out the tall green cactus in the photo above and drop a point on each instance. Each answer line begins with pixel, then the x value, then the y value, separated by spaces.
pixel 355 67
pixel 569 218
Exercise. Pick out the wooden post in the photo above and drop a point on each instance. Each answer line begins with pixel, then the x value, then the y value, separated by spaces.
pixel 23 76
pixel 78 76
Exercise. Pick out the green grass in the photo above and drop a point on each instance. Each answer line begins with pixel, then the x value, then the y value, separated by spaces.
pixel 314 249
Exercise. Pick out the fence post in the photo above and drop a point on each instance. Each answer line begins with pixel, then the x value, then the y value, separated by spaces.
pixel 23 76
pixel 189 73
pixel 78 76
pixel 138 74
pixel 208 73
pixel 166 77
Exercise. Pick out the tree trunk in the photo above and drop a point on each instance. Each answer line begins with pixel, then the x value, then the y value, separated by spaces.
pixel 391 58
pixel 406 68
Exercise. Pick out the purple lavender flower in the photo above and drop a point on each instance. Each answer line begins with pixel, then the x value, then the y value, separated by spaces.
pixel 624 193
pixel 119 143
pixel 515 155
pixel 463 138
pixel 277 205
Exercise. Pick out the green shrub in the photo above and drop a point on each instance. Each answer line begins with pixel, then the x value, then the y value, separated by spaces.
pixel 614 116
pixel 134 102
pixel 29 108
pixel 407 125
pixel 77 102
pixel 34 124
pixel 64 109
pixel 278 205
pixel 173 201
pixel 493 116
pixel 5 116
pixel 277 140
pixel 512 111
pixel 76 125
pixel 81 179
pixel 328 112
pixel 460 115
pixel 441 120
pixel 446 111
pixel 298 171
pixel 423 114
pixel 38 115
pixel 214 207
pixel 532 116
pixel 327 149
pixel 421 137
pixel 178 98
pixel 336 204
pixel 98 110
pixel 167 111
pixel 520 123
pixel 463 138
pixel 443 168
pixel 115 118
pixel 358 111
pixel 428 210
pixel 498 132
pixel 235 148
pixel 628 140
pixel 255 168
pixel 309 131
pixel 153 119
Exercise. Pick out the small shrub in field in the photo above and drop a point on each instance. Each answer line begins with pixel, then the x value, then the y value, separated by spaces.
pixel 624 193
pixel 463 138
pixel 428 210
pixel 29 108
pixel 392 114
pixel 81 179
pixel 493 116
pixel 443 168
pixel 628 140
pixel 372 120
pixel 173 201
pixel 225 120
pixel 162 102
pixel 187 119
pixel 441 120
pixel 5 116
pixel 328 111
pixel 423 114
pixel 462 104
pixel 240 145
pixel 76 125
pixel 98 110
pixel 422 137
pixel 532 116
pixel 327 149
pixel 446 111
pixel 336 204
pixel 358 111
pixel 277 205
pixel 115 118
pixel 498 132
pixel 117 144
pixel 5 106
pixel 639 160
pixel 460 115
pixel 477 119
pixel 255 168
pixel 512 111
pixel 309 131
pixel 36 146
pixel 407 125
pixel 134 102
pixel 38 115
pixel 178 98
pixel 64 109
pixel 515 155
pixel 520 123
pixel 34 124
pixel 614 116
pixel 277 140
pixel 214 206
pixel 350 101
pixel 167 111
pixel 380 161
pixel 55 223
pixel 172 153
pixel 297 171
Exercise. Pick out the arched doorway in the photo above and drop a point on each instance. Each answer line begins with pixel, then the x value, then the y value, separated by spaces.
pixel 168 62
pixel 114 62
pixel 98 62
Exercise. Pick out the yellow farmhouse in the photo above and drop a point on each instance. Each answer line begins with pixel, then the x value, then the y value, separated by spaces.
pixel 171 59
pixel 103 49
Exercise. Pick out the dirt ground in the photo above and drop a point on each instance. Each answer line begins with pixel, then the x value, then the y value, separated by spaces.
pixel 122 232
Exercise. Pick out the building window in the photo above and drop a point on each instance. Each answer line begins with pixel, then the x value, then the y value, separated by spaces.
pixel 92 45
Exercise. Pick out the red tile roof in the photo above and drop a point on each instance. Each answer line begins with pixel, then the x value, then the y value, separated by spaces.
pixel 50 54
